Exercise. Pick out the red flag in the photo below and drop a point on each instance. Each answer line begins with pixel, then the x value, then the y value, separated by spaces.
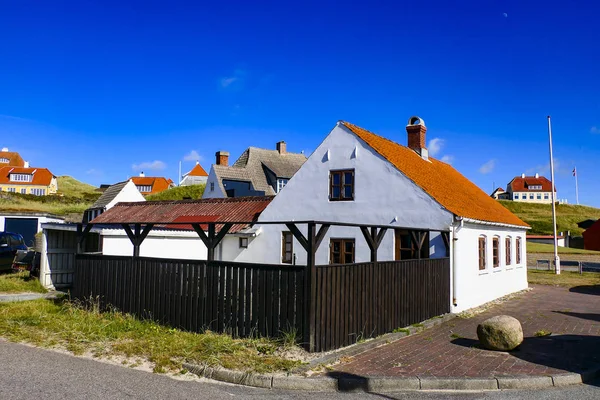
pixel 575 171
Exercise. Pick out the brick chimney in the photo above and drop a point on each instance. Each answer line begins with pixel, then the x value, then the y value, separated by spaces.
pixel 416 130
pixel 281 147
pixel 222 158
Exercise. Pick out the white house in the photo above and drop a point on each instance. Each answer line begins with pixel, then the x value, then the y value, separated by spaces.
pixel 357 176
pixel 119 192
pixel 258 172
pixel 196 176
pixel 530 189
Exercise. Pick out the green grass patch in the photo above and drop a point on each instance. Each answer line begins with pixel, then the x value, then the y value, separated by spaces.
pixel 71 187
pixel 20 282
pixel 179 193
pixel 79 329
pixel 539 216
pixel 542 333
pixel 402 330
pixel 548 248
pixel 565 279
pixel 455 336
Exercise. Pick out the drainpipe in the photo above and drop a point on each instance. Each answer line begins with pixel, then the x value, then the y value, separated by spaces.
pixel 454 269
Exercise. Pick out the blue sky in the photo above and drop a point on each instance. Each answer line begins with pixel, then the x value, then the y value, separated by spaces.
pixel 101 89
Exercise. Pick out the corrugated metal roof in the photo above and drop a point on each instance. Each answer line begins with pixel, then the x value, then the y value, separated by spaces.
pixel 236 209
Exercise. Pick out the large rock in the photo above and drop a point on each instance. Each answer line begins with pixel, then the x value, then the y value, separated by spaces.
pixel 501 332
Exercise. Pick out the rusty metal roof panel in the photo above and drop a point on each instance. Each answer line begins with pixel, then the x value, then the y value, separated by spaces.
pixel 236 209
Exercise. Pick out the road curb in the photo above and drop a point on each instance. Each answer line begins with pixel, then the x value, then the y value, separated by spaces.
pixel 351 383
pixel 14 297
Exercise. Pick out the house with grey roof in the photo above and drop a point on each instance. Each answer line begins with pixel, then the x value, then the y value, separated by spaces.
pixel 257 172
pixel 119 192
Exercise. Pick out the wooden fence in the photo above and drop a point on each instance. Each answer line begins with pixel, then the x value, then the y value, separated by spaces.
pixel 237 298
pixel 348 302
pixel 364 300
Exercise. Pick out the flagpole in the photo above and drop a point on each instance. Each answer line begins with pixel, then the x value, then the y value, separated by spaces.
pixel 576 187
pixel 556 259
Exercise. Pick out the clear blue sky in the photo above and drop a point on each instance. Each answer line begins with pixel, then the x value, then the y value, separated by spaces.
pixel 100 89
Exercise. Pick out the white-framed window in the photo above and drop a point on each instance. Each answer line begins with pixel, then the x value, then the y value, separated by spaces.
pixel 23 191
pixel 508 250
pixel 20 177
pixel 144 188
pixel 546 196
pixel 531 196
pixel 11 190
pixel 516 196
pixel 4 160
pixel 518 245
pixel 539 196
pixel 281 184
pixel 38 192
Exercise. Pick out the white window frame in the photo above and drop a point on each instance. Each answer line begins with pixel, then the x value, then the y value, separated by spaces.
pixel 11 190
pixel 38 191
pixel 144 188
pixel 281 184
pixel 4 160
pixel 21 177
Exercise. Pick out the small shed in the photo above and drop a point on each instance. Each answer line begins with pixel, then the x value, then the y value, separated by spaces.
pixel 27 224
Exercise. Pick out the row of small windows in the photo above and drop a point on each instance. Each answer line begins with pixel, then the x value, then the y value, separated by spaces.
pixel 34 191
pixel 144 188
pixel 532 196
pixel 508 259
pixel 20 177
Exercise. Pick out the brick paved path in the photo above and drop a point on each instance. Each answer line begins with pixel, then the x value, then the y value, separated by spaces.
pixel 449 350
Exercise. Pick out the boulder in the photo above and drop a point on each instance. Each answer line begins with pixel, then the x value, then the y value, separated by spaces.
pixel 502 332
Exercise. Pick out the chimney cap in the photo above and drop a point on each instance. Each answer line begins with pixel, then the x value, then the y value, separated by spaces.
pixel 5 149
pixel 537 175
pixel 222 153
pixel 414 120
pixel 522 175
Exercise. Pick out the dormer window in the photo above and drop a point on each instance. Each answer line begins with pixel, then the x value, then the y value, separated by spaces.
pixel 4 160
pixel 20 177
pixel 535 187
pixel 281 184
pixel 144 188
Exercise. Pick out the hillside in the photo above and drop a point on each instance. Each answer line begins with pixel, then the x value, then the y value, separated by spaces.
pixel 179 193
pixel 539 216
pixel 70 186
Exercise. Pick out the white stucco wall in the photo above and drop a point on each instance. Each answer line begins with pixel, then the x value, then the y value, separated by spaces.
pixel 216 193
pixel 193 180
pixel 383 196
pixel 159 244
pixel 543 200
pixel 475 287
pixel 129 193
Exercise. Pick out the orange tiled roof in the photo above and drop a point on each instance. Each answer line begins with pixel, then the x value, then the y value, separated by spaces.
pixel 197 171
pixel 442 182
pixel 41 176
pixel 158 183
pixel 14 159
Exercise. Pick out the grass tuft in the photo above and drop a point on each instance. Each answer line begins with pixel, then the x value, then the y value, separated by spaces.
pixel 82 328
pixel 542 333
pixel 20 282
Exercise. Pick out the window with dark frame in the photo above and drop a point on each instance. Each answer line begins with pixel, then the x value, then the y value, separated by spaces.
pixel 287 247
pixel 496 251
pixel 341 185
pixel 508 248
pixel 518 250
pixel 341 251
pixel 482 245
pixel 244 242
pixel 405 247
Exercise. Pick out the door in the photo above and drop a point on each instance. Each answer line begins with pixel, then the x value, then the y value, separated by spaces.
pixel 26 227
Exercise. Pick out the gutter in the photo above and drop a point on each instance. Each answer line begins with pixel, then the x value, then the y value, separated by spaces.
pixel 476 221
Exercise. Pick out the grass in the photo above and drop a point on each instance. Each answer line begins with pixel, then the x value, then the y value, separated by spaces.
pixel 81 330
pixel 20 282
pixel 71 187
pixel 542 333
pixel 565 279
pixel 58 205
pixel 548 248
pixel 179 193
pixel 539 216
pixel 402 330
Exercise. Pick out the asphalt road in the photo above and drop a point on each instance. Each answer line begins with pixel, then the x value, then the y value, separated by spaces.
pixel 31 373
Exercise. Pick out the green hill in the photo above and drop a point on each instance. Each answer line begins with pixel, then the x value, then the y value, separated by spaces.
pixel 179 193
pixel 539 216
pixel 71 187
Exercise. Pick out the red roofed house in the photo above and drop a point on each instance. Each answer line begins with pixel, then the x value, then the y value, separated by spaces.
pixel 36 181
pixel 151 184
pixel 196 176
pixel 531 189
pixel 429 208
pixel 10 159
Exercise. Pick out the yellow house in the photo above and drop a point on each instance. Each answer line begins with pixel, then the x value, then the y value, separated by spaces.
pixel 36 181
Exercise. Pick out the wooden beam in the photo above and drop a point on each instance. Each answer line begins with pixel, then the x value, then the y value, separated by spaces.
pixel 320 235
pixel 380 236
pixel 202 235
pixel 129 233
pixel 446 238
pixel 368 238
pixel 211 239
pixel 145 232
pixel 310 288
pixel 221 234
pixel 298 235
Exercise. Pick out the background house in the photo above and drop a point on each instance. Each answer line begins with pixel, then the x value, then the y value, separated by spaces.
pixel 258 172
pixel 591 236
pixel 531 189
pixel 359 177
pixel 195 176
pixel 25 180
pixel 151 184
pixel 499 194
pixel 119 192
pixel 10 158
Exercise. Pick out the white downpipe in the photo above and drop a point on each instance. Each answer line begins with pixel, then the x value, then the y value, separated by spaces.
pixel 453 241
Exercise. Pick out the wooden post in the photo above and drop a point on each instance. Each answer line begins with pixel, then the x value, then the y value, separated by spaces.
pixel 373 239
pixel 310 288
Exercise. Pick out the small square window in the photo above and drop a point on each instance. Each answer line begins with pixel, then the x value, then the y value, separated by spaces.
pixel 244 242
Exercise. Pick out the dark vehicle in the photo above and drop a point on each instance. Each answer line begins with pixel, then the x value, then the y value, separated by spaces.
pixel 9 244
